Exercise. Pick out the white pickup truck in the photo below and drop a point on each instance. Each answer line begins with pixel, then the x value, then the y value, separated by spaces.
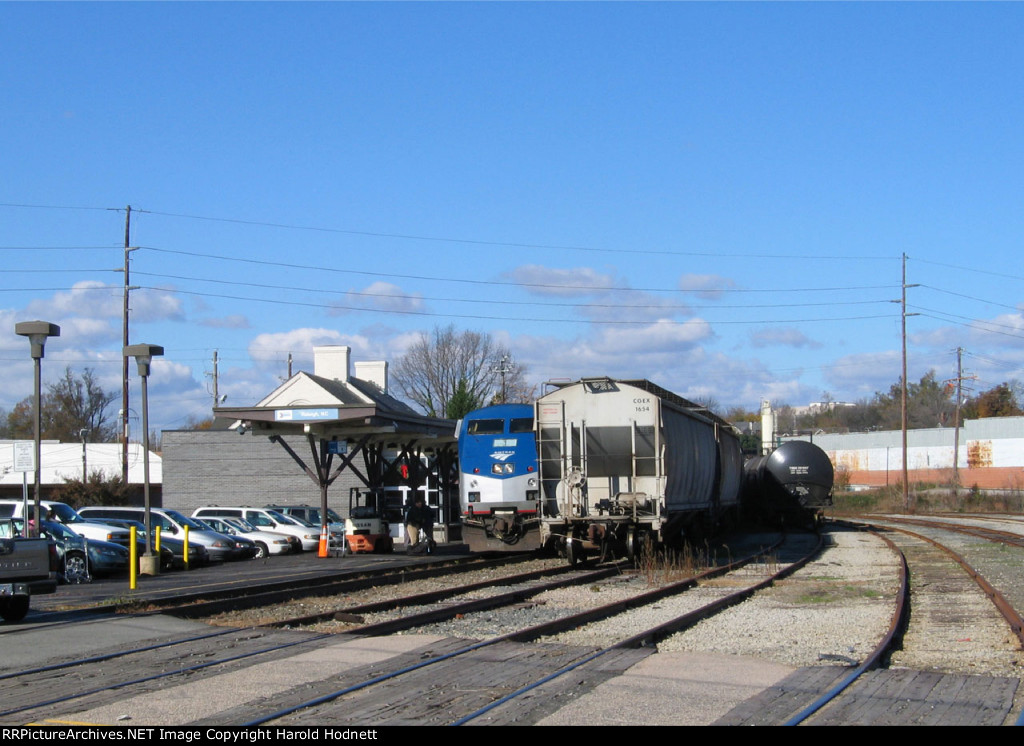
pixel 27 568
pixel 64 513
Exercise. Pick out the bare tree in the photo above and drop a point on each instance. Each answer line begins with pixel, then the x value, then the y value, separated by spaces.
pixel 69 406
pixel 447 365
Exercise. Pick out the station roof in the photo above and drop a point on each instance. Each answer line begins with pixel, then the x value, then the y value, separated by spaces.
pixel 339 406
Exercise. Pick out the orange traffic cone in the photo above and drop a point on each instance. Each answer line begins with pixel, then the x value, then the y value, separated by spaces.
pixel 323 542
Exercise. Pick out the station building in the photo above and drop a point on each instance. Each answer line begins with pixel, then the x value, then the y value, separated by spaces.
pixel 327 436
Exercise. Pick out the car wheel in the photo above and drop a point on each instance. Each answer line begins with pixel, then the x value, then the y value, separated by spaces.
pixel 261 551
pixel 76 568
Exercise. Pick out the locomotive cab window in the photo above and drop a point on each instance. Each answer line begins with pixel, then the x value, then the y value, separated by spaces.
pixel 486 427
pixel 521 425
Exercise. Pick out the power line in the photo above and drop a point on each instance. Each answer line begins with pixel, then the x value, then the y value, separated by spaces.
pixel 970 297
pixel 56 207
pixel 504 283
pixel 949 318
pixel 403 296
pixel 971 269
pixel 510 244
pixel 407 312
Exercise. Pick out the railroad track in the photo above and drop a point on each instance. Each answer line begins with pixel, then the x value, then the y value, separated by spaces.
pixel 456 667
pixel 196 600
pixel 954 624
pixel 236 652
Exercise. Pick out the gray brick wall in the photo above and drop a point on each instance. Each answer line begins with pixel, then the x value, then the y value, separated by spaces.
pixel 221 467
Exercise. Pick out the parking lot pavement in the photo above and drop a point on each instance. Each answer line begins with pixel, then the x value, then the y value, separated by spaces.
pixel 224 576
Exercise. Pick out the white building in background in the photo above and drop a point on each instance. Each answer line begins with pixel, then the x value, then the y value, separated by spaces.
pixel 990 456
pixel 61 461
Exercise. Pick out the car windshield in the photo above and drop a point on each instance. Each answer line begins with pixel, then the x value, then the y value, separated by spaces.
pixel 332 517
pixel 59 531
pixel 65 513
pixel 296 520
pixel 240 524
pixel 190 522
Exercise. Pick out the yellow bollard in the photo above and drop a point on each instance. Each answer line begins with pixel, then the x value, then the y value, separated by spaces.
pixel 133 560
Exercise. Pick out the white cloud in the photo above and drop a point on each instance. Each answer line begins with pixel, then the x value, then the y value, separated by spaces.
pixel 234 321
pixel 782 337
pixel 710 287
pixel 379 296
pixel 98 300
pixel 559 282
pixel 633 305
pixel 860 376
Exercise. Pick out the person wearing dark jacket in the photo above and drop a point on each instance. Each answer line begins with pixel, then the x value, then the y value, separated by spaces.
pixel 418 517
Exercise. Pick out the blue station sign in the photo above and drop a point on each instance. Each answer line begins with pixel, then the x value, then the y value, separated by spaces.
pixel 305 415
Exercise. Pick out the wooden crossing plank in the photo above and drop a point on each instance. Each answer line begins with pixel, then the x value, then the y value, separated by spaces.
pixel 778 703
pixel 887 697
pixel 904 697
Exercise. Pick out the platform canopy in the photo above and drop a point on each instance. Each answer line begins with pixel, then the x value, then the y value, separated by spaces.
pixel 346 416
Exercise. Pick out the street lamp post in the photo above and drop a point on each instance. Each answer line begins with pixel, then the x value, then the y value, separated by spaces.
pixel 37 333
pixel 85 466
pixel 144 354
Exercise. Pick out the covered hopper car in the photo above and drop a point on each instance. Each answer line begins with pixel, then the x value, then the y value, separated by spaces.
pixel 626 462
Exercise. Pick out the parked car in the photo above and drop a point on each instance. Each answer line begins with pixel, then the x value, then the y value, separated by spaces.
pixel 267 542
pixel 82 558
pixel 172 523
pixel 311 515
pixel 172 551
pixel 267 520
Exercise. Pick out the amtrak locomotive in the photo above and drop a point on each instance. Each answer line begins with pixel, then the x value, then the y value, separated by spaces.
pixel 498 480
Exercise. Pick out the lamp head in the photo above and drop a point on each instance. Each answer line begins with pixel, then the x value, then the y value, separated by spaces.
pixel 37 332
pixel 143 354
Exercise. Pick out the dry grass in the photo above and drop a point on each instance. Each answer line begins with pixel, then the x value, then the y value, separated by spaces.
pixel 930 498
pixel 663 565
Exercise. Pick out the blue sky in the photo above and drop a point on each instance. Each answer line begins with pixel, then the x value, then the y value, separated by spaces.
pixel 714 196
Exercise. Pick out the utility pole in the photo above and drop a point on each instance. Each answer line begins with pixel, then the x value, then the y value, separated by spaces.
pixel 85 467
pixel 124 343
pixel 504 366
pixel 956 434
pixel 217 398
pixel 903 397
pixel 959 380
